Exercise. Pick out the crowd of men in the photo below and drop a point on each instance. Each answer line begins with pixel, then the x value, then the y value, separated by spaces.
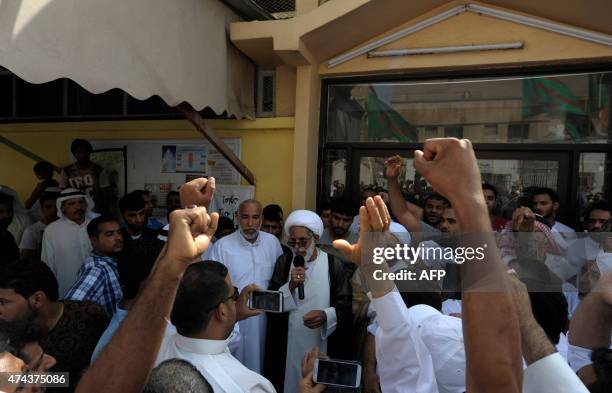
pixel 161 304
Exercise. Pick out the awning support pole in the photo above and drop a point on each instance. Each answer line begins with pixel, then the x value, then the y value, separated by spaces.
pixel 22 150
pixel 200 124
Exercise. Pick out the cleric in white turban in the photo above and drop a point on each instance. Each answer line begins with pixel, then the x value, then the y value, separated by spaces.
pixel 321 318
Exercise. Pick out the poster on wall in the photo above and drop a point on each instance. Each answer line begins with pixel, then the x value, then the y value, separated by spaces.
pixel 220 168
pixel 191 158
pixel 227 198
pixel 113 161
pixel 203 159
pixel 168 159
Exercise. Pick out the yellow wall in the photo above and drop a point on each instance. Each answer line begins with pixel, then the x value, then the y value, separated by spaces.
pixel 267 148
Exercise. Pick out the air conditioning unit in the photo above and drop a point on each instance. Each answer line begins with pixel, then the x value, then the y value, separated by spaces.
pixel 266 95
pixel 279 9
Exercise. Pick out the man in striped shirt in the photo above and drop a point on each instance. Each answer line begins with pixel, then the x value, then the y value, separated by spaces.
pixel 98 279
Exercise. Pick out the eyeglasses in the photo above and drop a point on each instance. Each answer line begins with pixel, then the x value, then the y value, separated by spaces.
pixel 234 297
pixel 302 241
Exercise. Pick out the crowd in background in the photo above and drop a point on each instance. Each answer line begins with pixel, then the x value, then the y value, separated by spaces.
pixel 72 271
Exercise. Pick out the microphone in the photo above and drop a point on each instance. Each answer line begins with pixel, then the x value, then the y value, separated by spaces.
pixel 298 261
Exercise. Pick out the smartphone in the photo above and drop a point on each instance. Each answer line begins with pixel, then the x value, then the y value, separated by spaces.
pixel 269 301
pixel 342 373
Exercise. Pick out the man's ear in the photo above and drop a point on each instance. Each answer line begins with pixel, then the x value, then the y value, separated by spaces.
pixel 221 312
pixel 555 206
pixel 317 237
pixel 37 300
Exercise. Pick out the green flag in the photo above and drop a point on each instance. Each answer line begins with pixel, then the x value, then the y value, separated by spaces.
pixel 599 92
pixel 549 95
pixel 386 122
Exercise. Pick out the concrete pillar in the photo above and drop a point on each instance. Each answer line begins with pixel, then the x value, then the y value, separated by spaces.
pixel 285 91
pixel 306 137
pixel 303 6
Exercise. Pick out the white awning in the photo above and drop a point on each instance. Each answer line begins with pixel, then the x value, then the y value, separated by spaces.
pixel 179 50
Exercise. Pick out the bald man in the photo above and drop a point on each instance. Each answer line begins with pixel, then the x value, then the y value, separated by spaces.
pixel 250 256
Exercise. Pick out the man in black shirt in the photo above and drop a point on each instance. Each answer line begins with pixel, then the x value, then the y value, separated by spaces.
pixel 29 291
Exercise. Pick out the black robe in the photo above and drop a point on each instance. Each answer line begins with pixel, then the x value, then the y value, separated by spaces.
pixel 338 344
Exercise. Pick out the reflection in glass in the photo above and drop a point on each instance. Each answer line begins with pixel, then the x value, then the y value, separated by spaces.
pixel 560 108
pixel 334 173
pixel 593 179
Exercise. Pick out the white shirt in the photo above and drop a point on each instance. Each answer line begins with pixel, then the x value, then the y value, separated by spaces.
pixel 563 235
pixel 216 364
pixel 65 248
pixel 404 362
pixel 451 306
pixel 582 250
pixel 443 337
pixel 21 221
pixel 249 263
pixel 32 236
pixel 551 374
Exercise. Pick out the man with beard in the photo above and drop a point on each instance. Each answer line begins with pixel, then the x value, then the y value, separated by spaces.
pixel 66 245
pixel 20 352
pixel 29 292
pixel 10 252
pixel 546 204
pixel 596 219
pixel 98 280
pixel 340 221
pixel 433 207
pixel 322 318
pixel 250 256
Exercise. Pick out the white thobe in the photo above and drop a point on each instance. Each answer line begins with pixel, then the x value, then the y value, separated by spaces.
pixel 404 362
pixel 302 339
pixel 551 374
pixel 249 263
pixel 582 250
pixel 65 248
pixel 443 338
pixel 563 235
pixel 213 359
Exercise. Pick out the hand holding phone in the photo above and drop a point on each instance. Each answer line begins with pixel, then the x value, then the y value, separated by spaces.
pixel 341 373
pixel 268 301
pixel 243 310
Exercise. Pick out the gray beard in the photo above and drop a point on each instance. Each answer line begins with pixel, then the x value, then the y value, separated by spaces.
pixel 247 236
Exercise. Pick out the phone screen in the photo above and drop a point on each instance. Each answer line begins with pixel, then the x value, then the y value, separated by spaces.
pixel 268 301
pixel 337 373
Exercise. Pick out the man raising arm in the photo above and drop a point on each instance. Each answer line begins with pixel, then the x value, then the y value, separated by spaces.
pixel 138 339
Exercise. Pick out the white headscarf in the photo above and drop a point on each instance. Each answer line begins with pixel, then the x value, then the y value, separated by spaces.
pixel 73 193
pixel 304 218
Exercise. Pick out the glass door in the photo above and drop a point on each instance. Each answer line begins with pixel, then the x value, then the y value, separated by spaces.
pixel 510 172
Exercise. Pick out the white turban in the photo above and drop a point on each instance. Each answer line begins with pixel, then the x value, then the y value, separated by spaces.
pixel 304 218
pixel 72 193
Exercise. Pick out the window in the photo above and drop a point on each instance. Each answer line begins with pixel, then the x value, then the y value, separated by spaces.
pixel 570 108
pixel 453 132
